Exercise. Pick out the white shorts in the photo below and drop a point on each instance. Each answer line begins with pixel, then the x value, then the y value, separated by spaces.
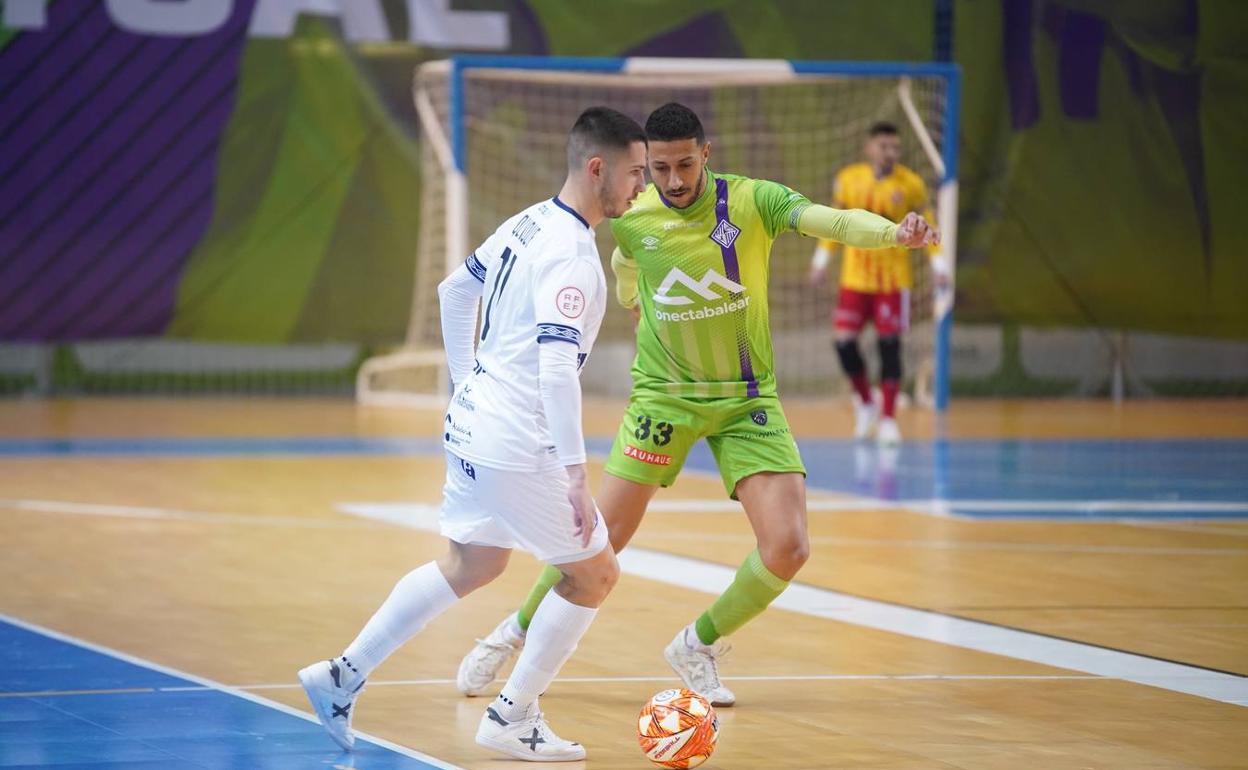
pixel 528 510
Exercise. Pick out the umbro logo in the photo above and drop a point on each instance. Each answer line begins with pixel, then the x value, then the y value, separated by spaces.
pixel 701 288
pixel 650 242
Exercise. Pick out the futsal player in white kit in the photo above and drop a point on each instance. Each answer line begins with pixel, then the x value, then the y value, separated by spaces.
pixel 515 454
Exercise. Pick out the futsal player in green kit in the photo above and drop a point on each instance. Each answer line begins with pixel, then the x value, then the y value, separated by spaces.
pixel 692 261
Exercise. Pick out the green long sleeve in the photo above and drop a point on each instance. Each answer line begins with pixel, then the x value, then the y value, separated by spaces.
pixel 625 270
pixel 852 227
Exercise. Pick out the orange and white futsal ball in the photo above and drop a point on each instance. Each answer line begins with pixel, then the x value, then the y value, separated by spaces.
pixel 678 728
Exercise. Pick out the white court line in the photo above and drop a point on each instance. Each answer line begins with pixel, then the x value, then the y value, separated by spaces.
pixel 925 505
pixel 761 678
pixel 209 684
pixel 1086 506
pixel 425 517
pixel 1203 527
pixel 969 545
pixel 907 621
pixel 606 680
pixel 168 514
pixel 953 631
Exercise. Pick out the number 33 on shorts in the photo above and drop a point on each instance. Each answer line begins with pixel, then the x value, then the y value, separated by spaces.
pixel 650 447
pixel 660 433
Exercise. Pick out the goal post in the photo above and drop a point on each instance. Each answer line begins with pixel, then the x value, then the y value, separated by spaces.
pixel 494 127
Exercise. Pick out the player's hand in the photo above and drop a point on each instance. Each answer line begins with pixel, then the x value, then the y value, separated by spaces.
pixel 584 513
pixel 818 276
pixel 635 311
pixel 914 232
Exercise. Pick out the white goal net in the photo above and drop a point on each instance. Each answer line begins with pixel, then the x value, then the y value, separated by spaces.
pixel 762 121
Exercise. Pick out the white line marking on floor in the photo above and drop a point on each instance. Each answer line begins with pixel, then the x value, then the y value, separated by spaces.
pixel 425 517
pixel 670 678
pixel 209 684
pixel 944 629
pixel 62 507
pixel 907 621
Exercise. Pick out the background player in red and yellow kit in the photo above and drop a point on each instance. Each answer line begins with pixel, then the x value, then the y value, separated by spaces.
pixel 875 284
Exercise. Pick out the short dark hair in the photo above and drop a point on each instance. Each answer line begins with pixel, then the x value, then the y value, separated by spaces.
pixel 673 122
pixel 598 129
pixel 883 128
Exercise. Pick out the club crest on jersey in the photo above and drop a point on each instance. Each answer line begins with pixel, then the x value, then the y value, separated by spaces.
pixel 759 416
pixel 725 233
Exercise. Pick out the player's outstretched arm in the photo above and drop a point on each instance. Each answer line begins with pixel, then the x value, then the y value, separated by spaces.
pixel 862 229
pixel 458 296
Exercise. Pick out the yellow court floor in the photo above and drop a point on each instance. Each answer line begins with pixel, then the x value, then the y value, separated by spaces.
pixel 239 540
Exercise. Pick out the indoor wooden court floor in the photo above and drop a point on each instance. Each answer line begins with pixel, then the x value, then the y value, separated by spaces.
pixel 1041 585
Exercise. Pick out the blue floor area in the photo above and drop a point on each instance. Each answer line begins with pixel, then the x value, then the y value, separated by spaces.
pixel 59 708
pixel 1082 479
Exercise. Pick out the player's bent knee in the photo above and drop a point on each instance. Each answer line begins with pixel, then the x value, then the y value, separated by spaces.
pixel 588 584
pixel 786 557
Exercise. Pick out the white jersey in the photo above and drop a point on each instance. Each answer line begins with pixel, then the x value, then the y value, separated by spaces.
pixel 543 283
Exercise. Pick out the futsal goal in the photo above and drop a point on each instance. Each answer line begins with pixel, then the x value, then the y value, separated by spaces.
pixel 493 130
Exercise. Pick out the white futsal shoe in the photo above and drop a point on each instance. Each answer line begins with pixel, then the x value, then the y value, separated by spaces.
pixel 530 739
pixel 697 669
pixel 481 665
pixel 888 434
pixel 333 703
pixel 865 418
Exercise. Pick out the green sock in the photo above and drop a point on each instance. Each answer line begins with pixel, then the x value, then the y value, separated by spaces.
pixel 751 591
pixel 545 581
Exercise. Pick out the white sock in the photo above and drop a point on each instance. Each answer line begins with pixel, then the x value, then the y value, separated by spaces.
pixel 418 598
pixel 557 628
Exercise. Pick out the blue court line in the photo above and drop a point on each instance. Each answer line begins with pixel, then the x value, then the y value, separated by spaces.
pixel 1083 479
pixel 167 719
pixel 215 447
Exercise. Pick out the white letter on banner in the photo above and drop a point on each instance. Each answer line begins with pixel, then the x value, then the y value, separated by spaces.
pixel 434 24
pixel 362 20
pixel 160 17
pixel 26 14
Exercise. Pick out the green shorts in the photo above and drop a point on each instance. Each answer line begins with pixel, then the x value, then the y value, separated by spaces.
pixel 746 436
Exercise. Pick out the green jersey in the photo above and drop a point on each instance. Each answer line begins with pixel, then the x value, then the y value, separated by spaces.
pixel 702 284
